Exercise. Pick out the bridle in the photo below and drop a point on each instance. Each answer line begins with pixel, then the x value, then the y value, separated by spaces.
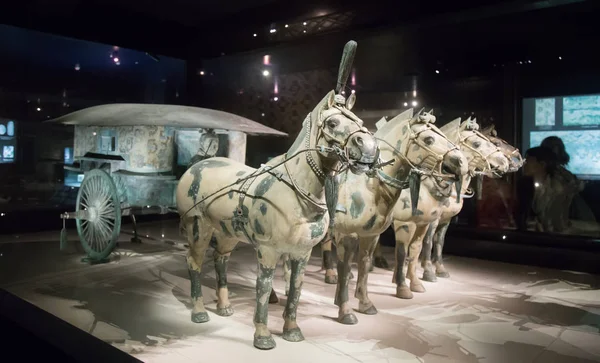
pixel 431 165
pixel 334 144
pixel 479 155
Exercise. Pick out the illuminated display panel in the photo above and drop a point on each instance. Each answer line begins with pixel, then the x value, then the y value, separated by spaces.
pixel 8 141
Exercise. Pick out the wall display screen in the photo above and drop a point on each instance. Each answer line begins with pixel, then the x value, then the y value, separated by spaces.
pixel 8 141
pixel 576 120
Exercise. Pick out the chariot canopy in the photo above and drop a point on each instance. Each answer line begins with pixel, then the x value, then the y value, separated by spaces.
pixel 138 114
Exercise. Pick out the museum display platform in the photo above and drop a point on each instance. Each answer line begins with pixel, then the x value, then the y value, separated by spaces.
pixel 139 303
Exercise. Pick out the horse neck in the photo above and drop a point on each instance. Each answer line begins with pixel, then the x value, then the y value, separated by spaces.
pixel 299 168
pixel 400 168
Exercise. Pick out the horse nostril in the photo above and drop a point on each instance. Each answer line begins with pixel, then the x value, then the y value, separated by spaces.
pixel 359 141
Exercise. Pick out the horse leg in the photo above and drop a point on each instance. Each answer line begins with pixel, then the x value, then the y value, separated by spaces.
pixel 273 299
pixel 425 256
pixel 345 251
pixel 403 232
pixel 291 331
pixel 267 262
pixel 287 273
pixel 221 258
pixel 365 252
pixel 414 250
pixel 327 253
pixel 198 237
pixel 379 260
pixel 437 258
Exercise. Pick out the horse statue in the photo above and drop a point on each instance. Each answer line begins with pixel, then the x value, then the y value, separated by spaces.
pixel 364 205
pixel 433 243
pixel 434 198
pixel 278 209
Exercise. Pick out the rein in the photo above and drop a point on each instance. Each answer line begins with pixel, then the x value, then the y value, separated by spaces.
pixel 403 184
pixel 259 172
pixel 338 149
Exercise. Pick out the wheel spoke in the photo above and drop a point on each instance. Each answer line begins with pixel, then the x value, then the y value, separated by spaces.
pixel 99 197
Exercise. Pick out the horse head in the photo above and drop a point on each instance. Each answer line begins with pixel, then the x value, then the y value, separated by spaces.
pixel 426 151
pixel 340 135
pixel 484 157
pixel 515 159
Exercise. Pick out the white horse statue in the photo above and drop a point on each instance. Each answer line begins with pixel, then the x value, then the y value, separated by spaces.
pixel 433 244
pixel 410 229
pixel 365 205
pixel 278 209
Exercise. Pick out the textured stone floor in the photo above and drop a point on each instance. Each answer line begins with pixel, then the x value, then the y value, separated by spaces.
pixel 139 302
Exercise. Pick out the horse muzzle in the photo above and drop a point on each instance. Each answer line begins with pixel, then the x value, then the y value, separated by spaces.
pixel 363 152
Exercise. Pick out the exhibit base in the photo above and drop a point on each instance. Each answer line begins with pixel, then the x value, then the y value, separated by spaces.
pixel 139 304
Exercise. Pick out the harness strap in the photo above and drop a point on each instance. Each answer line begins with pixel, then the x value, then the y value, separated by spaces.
pixel 391 181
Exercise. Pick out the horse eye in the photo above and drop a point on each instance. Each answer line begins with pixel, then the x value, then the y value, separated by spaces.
pixel 429 140
pixel 476 144
pixel 332 124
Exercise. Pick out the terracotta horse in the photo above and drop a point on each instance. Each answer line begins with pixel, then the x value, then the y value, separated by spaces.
pixel 410 229
pixel 277 209
pixel 433 243
pixel 364 205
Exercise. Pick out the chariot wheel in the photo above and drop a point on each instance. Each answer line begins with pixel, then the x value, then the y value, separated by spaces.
pixel 100 210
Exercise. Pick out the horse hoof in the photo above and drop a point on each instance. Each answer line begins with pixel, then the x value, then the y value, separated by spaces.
pixel 201 317
pixel 348 319
pixel 442 274
pixel 380 262
pixel 429 276
pixel 226 311
pixel 403 292
pixel 371 310
pixel 331 279
pixel 264 343
pixel 273 299
pixel 417 288
pixel 293 335
pixel 350 275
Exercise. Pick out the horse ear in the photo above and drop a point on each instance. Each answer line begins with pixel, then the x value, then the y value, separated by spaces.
pixel 488 131
pixel 351 101
pixel 452 130
pixel 331 99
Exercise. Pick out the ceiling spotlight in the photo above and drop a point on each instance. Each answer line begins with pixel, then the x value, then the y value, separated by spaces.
pixel 286 25
pixel 266 73
pixel 77 67
pixel 560 58
pixel 201 73
pixel 304 23
pixel 414 103
pixel 275 99
pixel 254 35
pixel 262 114
pixel 116 59
pixel 405 104
pixel 353 91
pixel 437 71
pixel 304 31
pixel 273 31
pixel 38 109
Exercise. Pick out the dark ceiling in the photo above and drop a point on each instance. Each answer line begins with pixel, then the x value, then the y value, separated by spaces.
pixel 196 29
